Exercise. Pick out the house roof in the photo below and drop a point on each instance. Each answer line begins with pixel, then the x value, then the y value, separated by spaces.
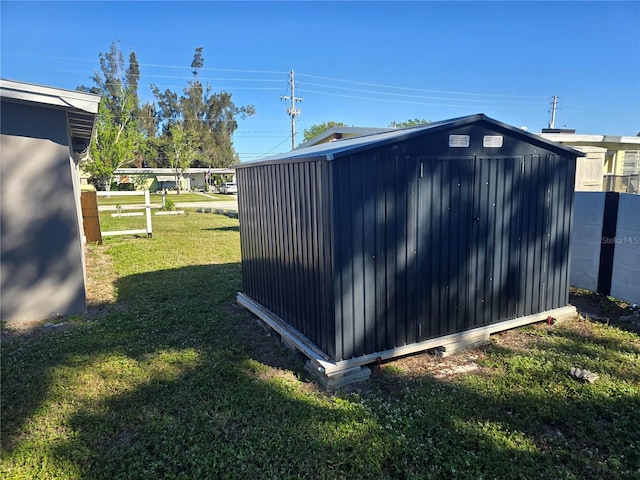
pixel 340 130
pixel 354 145
pixel 81 107
pixel 607 141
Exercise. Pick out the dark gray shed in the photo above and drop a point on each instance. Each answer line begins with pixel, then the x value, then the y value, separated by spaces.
pixel 396 242
pixel 44 134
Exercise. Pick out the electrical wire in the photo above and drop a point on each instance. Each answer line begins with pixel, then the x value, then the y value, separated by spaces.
pixel 412 88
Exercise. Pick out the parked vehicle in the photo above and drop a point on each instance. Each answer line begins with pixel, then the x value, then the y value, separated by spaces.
pixel 228 188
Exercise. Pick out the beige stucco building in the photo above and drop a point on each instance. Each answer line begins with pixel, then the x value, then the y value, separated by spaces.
pixel 618 157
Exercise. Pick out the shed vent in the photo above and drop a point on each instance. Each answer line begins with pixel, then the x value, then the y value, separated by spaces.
pixel 458 140
pixel 492 141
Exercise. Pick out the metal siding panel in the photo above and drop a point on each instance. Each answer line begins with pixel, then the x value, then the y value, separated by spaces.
pixel 380 253
pixel 412 258
pixel 329 245
pixel 515 246
pixel 508 201
pixel 390 235
pixel 369 254
pixel 280 239
pixel 314 266
pixel 295 239
pixel 257 253
pixel 401 252
pixel 457 217
pixel 269 243
pixel 303 237
pixel 433 233
pixel 243 227
pixel 556 241
pixel 533 201
pixel 357 260
pixel 344 253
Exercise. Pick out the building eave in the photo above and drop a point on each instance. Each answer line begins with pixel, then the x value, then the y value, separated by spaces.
pixel 81 107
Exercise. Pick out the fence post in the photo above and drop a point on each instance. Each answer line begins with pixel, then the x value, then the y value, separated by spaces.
pixel 147 202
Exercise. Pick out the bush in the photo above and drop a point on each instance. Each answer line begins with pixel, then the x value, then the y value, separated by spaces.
pixel 168 205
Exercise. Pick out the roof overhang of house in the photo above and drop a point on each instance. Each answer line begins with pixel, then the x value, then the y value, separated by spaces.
pixel 81 107
pixel 611 142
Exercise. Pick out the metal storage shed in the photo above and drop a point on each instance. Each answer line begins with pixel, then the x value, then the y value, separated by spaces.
pixel 433 236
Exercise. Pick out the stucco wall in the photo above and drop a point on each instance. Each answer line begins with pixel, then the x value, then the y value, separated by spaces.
pixel 586 239
pixel 41 272
pixel 626 261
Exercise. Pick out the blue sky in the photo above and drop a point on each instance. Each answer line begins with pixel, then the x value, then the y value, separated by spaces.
pixel 360 63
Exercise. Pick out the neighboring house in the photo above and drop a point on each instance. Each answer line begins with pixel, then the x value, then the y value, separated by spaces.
pixel 45 133
pixel 618 156
pixel 341 132
pixel 164 178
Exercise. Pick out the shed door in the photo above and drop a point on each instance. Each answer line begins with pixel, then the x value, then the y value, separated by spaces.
pixel 468 227
pixel 494 255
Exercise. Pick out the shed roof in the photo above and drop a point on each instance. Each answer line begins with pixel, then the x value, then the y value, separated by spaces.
pixel 350 146
pixel 81 107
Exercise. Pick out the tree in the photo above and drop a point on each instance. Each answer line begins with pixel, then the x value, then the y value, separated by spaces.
pixel 409 123
pixel 319 128
pixel 180 146
pixel 211 118
pixel 112 145
pixel 117 134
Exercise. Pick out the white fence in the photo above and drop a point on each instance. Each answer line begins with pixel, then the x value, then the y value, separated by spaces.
pixel 605 244
pixel 146 206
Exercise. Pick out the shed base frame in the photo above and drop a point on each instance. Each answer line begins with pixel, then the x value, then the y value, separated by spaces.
pixel 333 374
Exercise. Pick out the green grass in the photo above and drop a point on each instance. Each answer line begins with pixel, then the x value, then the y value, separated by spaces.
pixel 157 198
pixel 174 380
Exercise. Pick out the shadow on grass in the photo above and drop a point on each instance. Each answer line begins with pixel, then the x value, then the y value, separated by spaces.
pixel 224 229
pixel 201 391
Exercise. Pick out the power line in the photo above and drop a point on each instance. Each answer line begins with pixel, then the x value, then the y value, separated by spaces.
pixel 159 65
pixel 389 100
pixel 414 89
pixel 406 94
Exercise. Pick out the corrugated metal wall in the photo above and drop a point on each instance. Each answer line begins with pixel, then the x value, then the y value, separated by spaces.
pixel 427 246
pixel 375 226
pixel 286 250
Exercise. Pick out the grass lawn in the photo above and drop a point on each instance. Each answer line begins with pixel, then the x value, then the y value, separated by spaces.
pixel 157 198
pixel 167 377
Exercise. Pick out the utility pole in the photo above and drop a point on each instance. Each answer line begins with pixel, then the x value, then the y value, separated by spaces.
pixel 292 111
pixel 554 107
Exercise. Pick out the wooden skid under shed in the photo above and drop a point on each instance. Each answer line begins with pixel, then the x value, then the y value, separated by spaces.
pixel 333 374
